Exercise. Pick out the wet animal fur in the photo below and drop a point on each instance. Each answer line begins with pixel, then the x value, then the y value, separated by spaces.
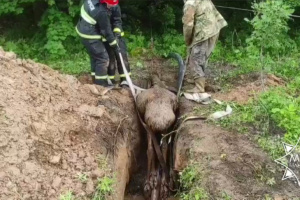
pixel 157 106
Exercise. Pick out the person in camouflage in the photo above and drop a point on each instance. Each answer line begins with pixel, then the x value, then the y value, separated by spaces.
pixel 201 27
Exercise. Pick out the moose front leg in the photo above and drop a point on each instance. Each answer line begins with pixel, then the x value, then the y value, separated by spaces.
pixel 156 190
pixel 164 190
pixel 151 182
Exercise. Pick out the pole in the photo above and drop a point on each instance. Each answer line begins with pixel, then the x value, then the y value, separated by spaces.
pixel 127 77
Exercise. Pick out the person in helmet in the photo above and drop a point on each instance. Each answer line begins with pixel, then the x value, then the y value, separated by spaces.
pixel 201 27
pixel 93 25
pixel 114 61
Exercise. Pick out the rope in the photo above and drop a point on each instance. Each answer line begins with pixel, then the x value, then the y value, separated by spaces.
pixel 248 10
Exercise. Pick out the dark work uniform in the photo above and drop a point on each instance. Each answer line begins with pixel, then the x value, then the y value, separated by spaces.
pixel 93 26
pixel 116 22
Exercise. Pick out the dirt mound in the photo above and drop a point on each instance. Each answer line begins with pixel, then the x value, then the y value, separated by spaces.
pixel 249 88
pixel 53 130
pixel 230 163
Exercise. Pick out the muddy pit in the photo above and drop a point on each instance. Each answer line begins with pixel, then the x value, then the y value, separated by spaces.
pixel 54 128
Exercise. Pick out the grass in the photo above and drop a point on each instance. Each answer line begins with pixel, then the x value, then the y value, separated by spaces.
pixel 254 120
pixel 190 184
pixel 272 145
pixel 104 188
pixel 225 196
pixel 82 177
pixel 74 62
pixel 67 196
pixel 77 64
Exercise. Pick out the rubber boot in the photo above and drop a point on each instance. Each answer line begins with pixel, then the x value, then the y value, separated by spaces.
pixel 124 82
pixel 93 79
pixel 102 82
pixel 199 86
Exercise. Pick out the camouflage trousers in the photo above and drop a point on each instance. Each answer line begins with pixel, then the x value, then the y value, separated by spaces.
pixel 199 55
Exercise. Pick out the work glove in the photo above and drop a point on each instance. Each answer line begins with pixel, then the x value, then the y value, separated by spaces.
pixel 116 49
pixel 117 35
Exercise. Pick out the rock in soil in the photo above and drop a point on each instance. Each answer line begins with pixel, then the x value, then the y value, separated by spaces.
pixel 55 159
pixel 56 182
pixel 89 187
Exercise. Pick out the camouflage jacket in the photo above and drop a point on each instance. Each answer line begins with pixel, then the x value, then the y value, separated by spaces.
pixel 201 20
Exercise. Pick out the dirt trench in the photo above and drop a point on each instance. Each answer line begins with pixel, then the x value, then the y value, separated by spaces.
pixel 54 129
pixel 230 163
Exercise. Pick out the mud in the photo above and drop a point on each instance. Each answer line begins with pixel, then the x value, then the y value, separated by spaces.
pixel 54 129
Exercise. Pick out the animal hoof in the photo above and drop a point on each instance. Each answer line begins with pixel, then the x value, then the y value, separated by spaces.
pixel 164 190
pixel 147 189
pixel 153 180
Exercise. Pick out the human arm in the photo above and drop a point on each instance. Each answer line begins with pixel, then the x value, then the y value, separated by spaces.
pixel 116 21
pixel 188 22
pixel 105 27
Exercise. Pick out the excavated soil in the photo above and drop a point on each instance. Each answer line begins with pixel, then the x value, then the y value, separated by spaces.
pixel 249 87
pixel 230 162
pixel 54 129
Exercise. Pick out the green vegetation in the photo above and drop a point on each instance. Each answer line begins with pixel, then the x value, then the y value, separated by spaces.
pixel 282 105
pixel 83 177
pixel 225 196
pixel 47 34
pixel 190 181
pixel 68 196
pixel 74 62
pixel 104 188
pixel 275 112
